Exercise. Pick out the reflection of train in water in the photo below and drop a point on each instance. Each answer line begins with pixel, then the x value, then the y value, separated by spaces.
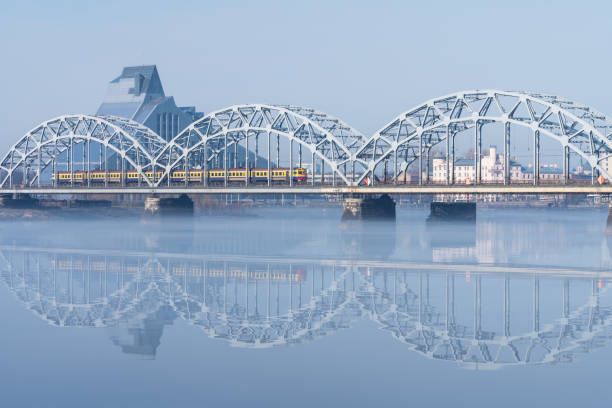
pixel 277 274
pixel 277 175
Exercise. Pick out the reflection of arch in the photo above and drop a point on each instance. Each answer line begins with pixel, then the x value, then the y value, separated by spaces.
pixel 330 142
pixel 435 331
pixel 63 289
pixel 411 135
pixel 134 144
pixel 242 324
pixel 68 290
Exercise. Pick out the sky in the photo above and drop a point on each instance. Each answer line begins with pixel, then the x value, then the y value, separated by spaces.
pixel 364 62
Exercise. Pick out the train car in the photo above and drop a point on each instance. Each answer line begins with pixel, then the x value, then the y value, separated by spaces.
pixel 192 175
pixel 97 176
pixel 158 174
pixel 62 177
pixel 216 175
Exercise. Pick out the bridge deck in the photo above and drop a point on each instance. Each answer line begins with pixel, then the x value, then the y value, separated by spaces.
pixel 464 189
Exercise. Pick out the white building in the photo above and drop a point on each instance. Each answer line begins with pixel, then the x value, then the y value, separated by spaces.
pixel 492 170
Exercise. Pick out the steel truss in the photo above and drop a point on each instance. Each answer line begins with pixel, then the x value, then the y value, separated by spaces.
pixel 410 137
pixel 101 143
pixel 291 136
pixel 223 139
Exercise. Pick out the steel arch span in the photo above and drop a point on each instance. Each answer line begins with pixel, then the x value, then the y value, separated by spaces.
pixel 238 135
pixel 410 137
pixel 56 143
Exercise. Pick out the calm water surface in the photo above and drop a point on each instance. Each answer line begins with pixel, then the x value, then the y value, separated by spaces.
pixel 292 308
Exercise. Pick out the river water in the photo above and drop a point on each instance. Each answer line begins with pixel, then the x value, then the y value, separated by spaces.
pixel 289 307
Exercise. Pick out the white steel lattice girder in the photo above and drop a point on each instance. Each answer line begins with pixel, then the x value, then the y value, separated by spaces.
pixel 341 148
pixel 329 139
pixel 580 128
pixel 131 141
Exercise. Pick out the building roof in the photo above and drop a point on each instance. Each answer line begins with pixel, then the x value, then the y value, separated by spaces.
pixel 131 91
pixel 544 170
pixel 464 162
pixel 147 79
pixel 550 170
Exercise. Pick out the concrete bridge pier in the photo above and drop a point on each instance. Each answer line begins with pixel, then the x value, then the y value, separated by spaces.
pixel 452 211
pixel 381 208
pixel 182 205
pixel 20 201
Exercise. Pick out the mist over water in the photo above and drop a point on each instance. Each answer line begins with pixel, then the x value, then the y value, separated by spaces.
pixel 289 306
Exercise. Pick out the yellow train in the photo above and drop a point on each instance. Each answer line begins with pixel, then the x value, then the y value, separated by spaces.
pixel 298 174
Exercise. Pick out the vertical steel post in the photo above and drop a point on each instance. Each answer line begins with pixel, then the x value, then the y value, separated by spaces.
pixel 566 164
pixel 506 153
pixel 322 171
pixel 186 171
pixel 101 156
pixel 105 165
pixel 452 158
pixel 70 163
pixel 427 165
pixel 205 169
pixel 334 171
pixel 290 162
pixel 39 166
pixel 420 159
pixel 246 160
pixel 278 150
pixel 54 165
pixel 269 164
pixel 225 161
pixel 88 162
pixel 448 158
pixel 235 154
pixel 313 168
pixel 536 157
pixel 478 152
pixel 395 166
pixel 256 150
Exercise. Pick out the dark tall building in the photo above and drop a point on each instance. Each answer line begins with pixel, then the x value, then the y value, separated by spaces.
pixel 138 94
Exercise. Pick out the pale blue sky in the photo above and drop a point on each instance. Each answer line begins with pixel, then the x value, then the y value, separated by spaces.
pixel 364 62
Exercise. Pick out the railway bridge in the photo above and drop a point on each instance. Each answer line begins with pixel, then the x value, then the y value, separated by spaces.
pixel 435 147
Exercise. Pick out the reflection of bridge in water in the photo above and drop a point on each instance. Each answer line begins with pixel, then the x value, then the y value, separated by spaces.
pixel 475 315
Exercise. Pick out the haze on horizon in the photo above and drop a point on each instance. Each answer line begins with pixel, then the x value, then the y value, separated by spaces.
pixel 363 62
